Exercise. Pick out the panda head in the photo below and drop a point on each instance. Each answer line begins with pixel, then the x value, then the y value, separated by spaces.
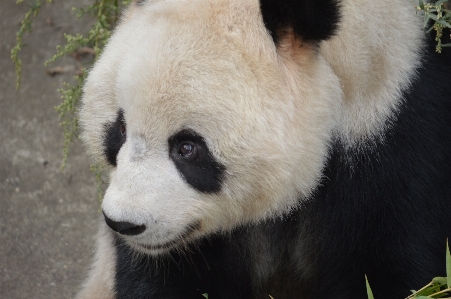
pixel 208 118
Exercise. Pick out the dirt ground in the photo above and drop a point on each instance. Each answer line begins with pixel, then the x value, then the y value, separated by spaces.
pixel 47 216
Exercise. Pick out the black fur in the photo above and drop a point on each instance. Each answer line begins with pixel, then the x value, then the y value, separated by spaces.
pixel 188 276
pixel 200 170
pixel 446 51
pixel 113 139
pixel 312 20
pixel 383 211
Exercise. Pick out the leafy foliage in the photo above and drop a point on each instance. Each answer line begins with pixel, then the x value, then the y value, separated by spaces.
pixel 70 94
pixel 368 289
pixel 25 26
pixel 439 287
pixel 441 18
pixel 106 14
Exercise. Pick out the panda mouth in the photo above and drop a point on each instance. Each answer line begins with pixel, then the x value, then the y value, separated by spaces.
pixel 180 240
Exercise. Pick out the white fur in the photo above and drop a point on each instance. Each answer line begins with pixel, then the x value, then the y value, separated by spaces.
pixel 375 54
pixel 100 283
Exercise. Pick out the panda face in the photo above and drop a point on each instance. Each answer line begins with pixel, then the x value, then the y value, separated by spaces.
pixel 206 124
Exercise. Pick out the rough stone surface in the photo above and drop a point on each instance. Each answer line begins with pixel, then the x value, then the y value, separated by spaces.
pixel 47 216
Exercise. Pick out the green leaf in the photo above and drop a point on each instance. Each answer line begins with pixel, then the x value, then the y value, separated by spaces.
pixel 430 29
pixel 426 20
pixel 205 295
pixel 422 4
pixel 431 15
pixel 427 290
pixel 440 2
pixel 448 266
pixel 368 289
pixel 440 280
pixel 444 23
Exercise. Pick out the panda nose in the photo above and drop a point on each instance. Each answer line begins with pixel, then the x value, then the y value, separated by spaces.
pixel 124 228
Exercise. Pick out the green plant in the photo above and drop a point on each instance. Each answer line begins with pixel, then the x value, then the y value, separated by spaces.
pixel 25 26
pixel 105 13
pixel 441 18
pixel 439 287
pixel 368 289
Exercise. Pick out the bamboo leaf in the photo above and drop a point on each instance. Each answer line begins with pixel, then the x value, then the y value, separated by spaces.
pixel 448 266
pixel 426 20
pixel 440 280
pixel 440 2
pixel 444 23
pixel 431 15
pixel 368 289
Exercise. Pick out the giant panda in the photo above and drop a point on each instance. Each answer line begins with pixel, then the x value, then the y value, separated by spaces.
pixel 269 148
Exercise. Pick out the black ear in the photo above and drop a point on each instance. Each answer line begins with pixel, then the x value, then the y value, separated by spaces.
pixel 311 20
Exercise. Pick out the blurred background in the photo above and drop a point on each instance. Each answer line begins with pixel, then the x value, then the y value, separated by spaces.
pixel 47 216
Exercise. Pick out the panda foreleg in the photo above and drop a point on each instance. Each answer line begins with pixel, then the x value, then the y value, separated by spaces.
pixel 100 282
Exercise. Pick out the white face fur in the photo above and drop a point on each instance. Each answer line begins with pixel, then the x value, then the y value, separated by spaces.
pixel 263 116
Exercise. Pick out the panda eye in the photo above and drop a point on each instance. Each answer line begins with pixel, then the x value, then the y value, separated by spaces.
pixel 194 161
pixel 187 149
pixel 122 129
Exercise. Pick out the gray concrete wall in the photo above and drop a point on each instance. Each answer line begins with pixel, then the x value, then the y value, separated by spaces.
pixel 47 216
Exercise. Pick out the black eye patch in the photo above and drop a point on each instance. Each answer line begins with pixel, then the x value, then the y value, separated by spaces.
pixel 114 137
pixel 194 161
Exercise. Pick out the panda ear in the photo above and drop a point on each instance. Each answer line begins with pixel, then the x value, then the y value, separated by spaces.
pixel 311 20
